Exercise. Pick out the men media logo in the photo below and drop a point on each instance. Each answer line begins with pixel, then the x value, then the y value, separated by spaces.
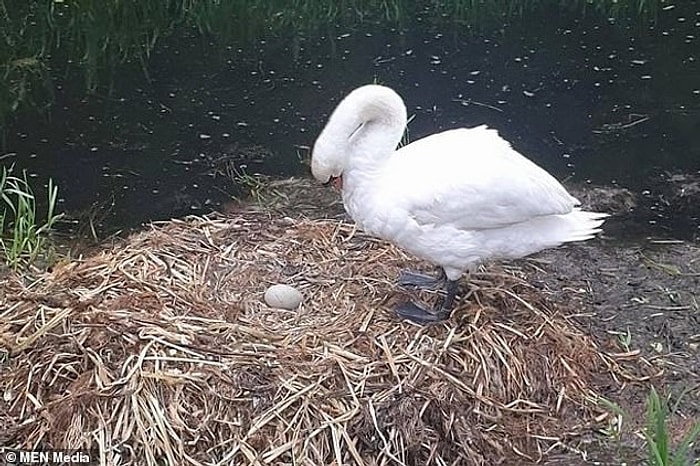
pixel 13 457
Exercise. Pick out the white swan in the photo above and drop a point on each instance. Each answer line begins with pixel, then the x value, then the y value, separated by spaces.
pixel 455 198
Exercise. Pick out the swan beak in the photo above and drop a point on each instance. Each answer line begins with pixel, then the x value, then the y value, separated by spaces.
pixel 336 182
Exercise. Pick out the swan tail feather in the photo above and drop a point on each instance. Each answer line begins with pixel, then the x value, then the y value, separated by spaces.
pixel 584 225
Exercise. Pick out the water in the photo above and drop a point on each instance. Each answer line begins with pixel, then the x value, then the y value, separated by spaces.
pixel 591 99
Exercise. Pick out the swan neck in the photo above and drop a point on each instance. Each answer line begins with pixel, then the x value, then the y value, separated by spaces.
pixel 381 122
pixel 361 135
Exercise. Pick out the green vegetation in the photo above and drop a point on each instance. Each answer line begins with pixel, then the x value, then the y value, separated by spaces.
pixel 85 41
pixel 661 451
pixel 474 11
pixel 22 238
pixel 252 184
pixel 616 8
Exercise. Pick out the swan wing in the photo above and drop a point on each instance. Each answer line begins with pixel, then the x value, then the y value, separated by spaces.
pixel 470 179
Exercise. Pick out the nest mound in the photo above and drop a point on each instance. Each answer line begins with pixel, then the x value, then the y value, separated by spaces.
pixel 160 351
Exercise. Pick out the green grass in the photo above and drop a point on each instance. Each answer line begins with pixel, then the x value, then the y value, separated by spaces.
pixel 252 184
pixel 23 239
pixel 88 40
pixel 487 14
pixel 231 19
pixel 660 450
pixel 616 8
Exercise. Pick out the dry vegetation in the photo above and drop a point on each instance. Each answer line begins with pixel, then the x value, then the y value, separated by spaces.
pixel 159 350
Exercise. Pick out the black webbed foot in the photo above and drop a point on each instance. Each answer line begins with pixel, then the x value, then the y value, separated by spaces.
pixel 418 314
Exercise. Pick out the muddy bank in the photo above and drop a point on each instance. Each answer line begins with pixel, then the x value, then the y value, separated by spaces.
pixel 640 298
pixel 518 370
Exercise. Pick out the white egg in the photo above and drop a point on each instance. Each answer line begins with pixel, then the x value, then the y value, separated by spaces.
pixel 283 297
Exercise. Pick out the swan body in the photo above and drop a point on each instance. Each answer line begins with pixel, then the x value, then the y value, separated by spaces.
pixel 455 198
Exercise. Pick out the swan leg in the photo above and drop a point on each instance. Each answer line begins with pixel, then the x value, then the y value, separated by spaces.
pixel 420 315
pixel 449 299
pixel 421 281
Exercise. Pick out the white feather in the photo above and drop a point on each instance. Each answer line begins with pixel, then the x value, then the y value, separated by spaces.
pixel 455 198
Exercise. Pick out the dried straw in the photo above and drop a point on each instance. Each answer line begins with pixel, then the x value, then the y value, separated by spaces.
pixel 159 350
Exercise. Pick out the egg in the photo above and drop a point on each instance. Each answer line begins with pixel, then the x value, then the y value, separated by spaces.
pixel 283 297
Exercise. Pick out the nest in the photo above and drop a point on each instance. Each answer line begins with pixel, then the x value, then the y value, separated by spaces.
pixel 160 350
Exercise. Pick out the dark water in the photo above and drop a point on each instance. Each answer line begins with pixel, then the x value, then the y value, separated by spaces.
pixel 591 99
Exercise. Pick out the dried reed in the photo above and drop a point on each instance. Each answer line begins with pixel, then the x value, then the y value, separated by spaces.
pixel 159 350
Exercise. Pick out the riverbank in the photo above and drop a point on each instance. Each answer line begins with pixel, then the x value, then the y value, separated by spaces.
pixel 159 346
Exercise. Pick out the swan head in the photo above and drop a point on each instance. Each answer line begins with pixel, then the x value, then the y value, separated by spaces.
pixel 368 123
pixel 327 161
